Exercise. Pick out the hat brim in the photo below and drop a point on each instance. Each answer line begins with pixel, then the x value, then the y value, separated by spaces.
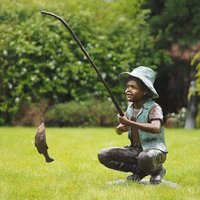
pixel 125 76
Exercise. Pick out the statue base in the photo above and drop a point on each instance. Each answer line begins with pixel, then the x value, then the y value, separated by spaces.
pixel 144 182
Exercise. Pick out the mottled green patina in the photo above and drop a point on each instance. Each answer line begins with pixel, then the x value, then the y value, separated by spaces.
pixel 148 140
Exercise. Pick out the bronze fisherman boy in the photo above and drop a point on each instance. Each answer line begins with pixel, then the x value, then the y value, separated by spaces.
pixel 143 120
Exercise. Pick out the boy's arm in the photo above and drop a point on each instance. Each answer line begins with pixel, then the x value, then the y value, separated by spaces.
pixel 153 127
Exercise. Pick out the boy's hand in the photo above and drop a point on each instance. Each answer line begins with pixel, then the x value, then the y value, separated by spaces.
pixel 124 120
pixel 121 128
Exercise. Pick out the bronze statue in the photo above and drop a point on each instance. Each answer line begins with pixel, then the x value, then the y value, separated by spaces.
pixel 143 121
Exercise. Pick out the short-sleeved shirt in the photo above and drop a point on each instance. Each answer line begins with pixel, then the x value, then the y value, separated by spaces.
pixel 155 114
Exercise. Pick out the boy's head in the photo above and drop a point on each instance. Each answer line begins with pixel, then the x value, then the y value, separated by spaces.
pixel 144 77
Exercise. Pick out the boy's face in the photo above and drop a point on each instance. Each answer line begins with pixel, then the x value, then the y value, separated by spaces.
pixel 134 91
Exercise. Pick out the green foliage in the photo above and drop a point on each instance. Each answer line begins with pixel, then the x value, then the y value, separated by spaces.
pixel 198 118
pixel 40 60
pixel 196 63
pixel 175 21
pixel 89 113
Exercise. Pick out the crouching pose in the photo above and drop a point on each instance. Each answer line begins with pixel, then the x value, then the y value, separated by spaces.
pixel 143 120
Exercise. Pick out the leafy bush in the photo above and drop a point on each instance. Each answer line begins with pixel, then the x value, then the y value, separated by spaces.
pixel 40 60
pixel 88 113
pixel 196 63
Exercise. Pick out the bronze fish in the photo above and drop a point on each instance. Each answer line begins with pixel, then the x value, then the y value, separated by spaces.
pixel 40 142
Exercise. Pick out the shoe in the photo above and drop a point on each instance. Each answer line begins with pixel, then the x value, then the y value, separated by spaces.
pixel 157 176
pixel 136 177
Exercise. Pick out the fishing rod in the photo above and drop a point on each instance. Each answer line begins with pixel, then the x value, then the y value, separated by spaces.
pixel 88 57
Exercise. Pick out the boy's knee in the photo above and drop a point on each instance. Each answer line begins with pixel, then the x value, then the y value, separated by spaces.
pixel 145 161
pixel 144 157
pixel 102 155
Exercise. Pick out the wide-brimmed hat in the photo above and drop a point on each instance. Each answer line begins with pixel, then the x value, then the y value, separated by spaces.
pixel 145 74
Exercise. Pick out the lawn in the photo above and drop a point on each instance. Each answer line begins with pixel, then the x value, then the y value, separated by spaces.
pixel 76 173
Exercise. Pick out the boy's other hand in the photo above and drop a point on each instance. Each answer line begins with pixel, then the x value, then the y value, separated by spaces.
pixel 121 128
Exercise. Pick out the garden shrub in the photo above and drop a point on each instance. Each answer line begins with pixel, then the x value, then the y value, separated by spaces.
pixel 198 117
pixel 40 60
pixel 88 113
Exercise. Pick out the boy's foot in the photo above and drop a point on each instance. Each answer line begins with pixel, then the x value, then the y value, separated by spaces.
pixel 157 176
pixel 136 177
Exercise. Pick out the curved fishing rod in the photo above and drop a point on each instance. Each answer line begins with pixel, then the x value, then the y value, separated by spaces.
pixel 88 57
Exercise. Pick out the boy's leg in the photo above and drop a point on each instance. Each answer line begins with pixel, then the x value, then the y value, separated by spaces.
pixel 150 161
pixel 120 158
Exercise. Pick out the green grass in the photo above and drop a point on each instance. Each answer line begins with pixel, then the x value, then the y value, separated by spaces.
pixel 76 173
